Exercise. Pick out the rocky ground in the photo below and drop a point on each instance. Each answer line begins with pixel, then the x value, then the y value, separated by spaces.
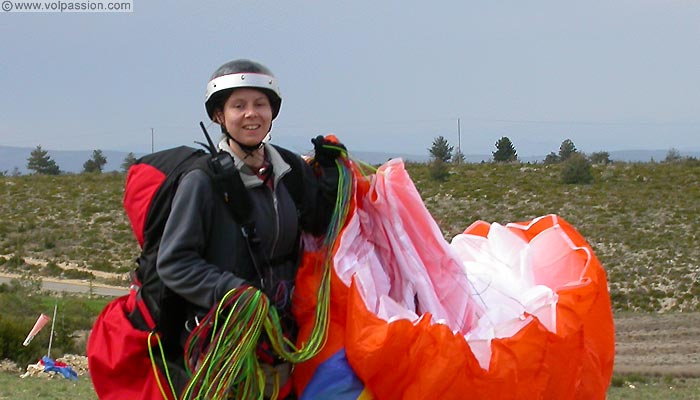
pixel 78 363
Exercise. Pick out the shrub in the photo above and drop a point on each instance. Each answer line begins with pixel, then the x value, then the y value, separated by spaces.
pixel 673 155
pixel 691 162
pixel 439 170
pixel 600 157
pixel 617 381
pixel 102 265
pixel 552 158
pixel 20 307
pixel 49 243
pixel 23 302
pixel 52 269
pixel 576 169
pixel 13 330
pixel 78 274
pixel 15 262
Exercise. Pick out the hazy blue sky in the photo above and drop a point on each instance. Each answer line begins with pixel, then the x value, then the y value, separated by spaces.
pixel 383 75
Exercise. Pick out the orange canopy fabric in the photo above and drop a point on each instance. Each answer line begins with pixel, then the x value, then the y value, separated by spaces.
pixel 520 311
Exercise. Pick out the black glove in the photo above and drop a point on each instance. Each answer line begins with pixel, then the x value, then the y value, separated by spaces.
pixel 327 151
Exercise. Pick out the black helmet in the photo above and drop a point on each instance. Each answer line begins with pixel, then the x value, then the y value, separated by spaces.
pixel 240 74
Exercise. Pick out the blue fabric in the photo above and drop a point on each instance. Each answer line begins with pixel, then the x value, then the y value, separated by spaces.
pixel 50 366
pixel 334 379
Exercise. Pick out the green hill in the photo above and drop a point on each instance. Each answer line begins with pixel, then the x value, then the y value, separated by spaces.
pixel 642 220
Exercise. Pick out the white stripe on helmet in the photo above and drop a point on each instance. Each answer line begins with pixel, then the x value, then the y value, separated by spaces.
pixel 244 79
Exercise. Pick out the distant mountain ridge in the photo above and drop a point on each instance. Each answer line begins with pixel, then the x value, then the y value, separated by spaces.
pixel 72 160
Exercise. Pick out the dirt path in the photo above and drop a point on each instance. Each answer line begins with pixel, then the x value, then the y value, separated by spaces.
pixel 658 344
pixel 71 285
pixel 39 262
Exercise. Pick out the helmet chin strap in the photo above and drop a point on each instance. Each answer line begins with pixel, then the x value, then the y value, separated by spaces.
pixel 247 149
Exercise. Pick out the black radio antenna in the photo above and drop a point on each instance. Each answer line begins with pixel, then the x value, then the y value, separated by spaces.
pixel 212 148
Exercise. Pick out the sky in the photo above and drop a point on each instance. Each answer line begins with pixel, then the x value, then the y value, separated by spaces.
pixel 386 76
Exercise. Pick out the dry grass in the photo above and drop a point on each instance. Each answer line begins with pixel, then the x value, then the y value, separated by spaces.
pixel 64 224
pixel 642 220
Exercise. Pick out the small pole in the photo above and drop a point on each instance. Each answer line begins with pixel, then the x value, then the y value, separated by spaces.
pixel 151 140
pixel 53 322
pixel 459 141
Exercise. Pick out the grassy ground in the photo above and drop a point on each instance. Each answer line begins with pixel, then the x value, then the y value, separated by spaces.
pixel 12 387
pixel 657 388
pixel 15 388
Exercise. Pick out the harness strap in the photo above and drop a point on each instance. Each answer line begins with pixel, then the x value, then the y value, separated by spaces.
pixel 227 179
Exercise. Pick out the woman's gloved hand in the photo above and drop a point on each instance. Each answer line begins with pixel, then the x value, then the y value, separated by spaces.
pixel 327 149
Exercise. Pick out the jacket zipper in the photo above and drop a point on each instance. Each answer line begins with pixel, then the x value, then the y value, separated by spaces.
pixel 277 180
pixel 277 223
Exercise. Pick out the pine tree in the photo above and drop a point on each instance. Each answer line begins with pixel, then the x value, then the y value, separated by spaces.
pixel 129 160
pixel 40 162
pixel 96 163
pixel 441 150
pixel 566 149
pixel 505 151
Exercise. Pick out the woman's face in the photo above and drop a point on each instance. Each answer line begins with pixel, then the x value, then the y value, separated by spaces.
pixel 247 115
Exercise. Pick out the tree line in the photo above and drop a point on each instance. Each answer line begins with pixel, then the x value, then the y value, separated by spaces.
pixel 441 153
pixel 506 152
pixel 40 162
pixel 576 166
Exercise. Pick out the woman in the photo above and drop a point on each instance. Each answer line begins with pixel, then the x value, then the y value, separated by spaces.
pixel 203 253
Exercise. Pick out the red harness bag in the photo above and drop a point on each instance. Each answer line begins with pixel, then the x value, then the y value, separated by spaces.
pixel 125 341
pixel 118 355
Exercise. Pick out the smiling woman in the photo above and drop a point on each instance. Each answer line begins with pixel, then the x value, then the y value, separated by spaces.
pixel 209 248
